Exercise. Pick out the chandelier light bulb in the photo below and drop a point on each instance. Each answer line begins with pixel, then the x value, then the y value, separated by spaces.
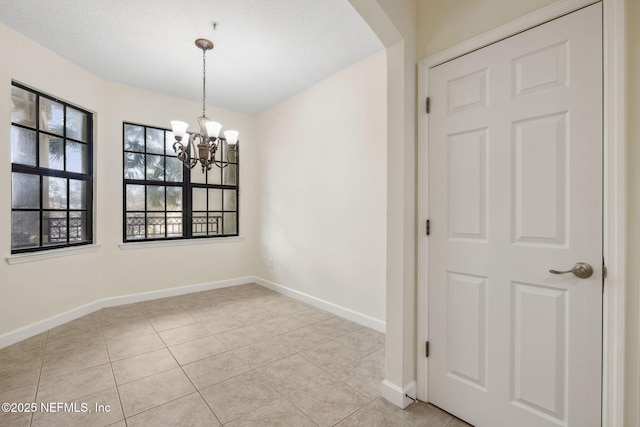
pixel 231 136
pixel 213 129
pixel 179 128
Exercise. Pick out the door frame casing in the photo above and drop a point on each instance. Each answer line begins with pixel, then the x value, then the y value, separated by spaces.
pixel 614 189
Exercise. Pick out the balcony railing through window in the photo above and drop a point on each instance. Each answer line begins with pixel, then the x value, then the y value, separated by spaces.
pixel 141 227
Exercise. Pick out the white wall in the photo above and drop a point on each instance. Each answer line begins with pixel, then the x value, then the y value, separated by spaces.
pixel 400 346
pixel 394 22
pixel 37 290
pixel 444 23
pixel 322 189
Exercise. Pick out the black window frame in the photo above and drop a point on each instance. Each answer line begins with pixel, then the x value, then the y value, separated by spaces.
pixel 187 192
pixel 43 172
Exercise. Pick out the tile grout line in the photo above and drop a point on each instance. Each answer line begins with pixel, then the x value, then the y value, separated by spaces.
pixel 252 369
pixel 35 399
pixel 186 375
pixel 331 374
pixel 124 416
pixel 342 382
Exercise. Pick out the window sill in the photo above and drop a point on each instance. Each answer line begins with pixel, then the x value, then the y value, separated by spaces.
pixel 53 253
pixel 183 242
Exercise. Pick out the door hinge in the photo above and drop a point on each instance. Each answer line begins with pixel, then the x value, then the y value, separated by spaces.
pixel 426 349
pixel 428 227
pixel 428 105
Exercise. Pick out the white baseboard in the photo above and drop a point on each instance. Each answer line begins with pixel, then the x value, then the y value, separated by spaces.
pixel 354 316
pixel 29 331
pixel 398 395
pixel 172 292
pixel 34 329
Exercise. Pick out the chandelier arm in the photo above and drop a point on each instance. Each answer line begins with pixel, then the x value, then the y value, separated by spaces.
pixel 231 150
pixel 181 153
pixel 194 158
pixel 213 147
pixel 220 163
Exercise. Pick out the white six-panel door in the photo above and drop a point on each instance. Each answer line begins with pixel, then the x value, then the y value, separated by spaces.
pixel 515 189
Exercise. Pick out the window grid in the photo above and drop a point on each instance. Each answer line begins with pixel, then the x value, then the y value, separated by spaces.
pixel 141 222
pixel 55 227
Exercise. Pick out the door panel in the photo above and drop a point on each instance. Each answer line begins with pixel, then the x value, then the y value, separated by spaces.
pixel 539 379
pixel 540 200
pixel 515 189
pixel 467 198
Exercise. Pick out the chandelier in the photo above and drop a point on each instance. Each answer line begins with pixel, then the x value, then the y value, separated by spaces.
pixel 201 147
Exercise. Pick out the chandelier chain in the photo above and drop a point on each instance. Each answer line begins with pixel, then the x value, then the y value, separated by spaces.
pixel 204 79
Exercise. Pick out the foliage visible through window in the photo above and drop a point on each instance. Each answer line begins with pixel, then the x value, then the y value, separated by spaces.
pixel 161 195
pixel 52 178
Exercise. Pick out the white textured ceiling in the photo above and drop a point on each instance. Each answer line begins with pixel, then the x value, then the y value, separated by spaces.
pixel 265 50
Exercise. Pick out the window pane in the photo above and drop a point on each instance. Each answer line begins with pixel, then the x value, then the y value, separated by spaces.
pixel 215 199
pixel 54 193
pixel 25 229
pixel 77 123
pixel 174 199
pixel 199 202
pixel 155 225
pixel 133 166
pixel 155 141
pixel 136 224
pixel 135 197
pixel 197 177
pixel 76 157
pixel 230 174
pixel 174 169
pixel 77 226
pixel 174 224
pixel 54 230
pixel 214 176
pixel 230 223
pixel 51 152
pixel 77 194
pixel 25 191
pixel 23 146
pixel 134 138
pixel 23 107
pixel 155 198
pixel 155 168
pixel 51 116
pixel 230 200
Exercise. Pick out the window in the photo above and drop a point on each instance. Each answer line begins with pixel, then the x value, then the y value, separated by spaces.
pixel 161 194
pixel 51 172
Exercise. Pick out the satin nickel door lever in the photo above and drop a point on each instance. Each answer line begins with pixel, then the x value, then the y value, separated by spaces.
pixel 581 270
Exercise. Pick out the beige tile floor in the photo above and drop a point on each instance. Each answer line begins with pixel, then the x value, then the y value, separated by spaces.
pixel 238 356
